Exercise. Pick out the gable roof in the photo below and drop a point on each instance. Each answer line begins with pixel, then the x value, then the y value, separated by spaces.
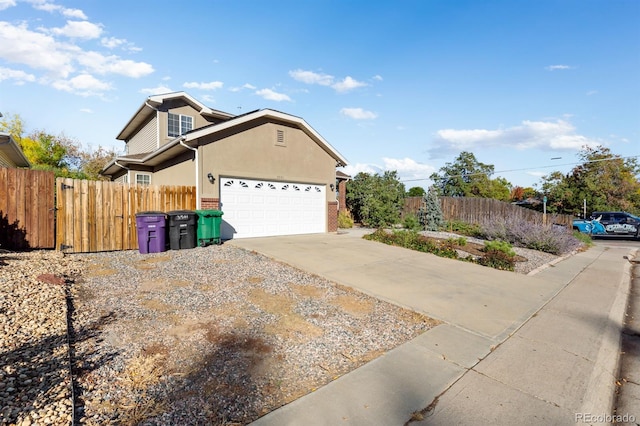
pixel 177 145
pixel 12 150
pixel 152 103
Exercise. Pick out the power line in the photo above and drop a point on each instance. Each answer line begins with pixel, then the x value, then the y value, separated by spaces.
pixel 528 168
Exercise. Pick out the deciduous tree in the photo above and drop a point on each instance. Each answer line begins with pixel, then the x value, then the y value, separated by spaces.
pixel 375 200
pixel 605 180
pixel 467 177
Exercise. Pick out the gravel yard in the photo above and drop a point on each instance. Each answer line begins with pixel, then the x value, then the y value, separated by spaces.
pixel 215 335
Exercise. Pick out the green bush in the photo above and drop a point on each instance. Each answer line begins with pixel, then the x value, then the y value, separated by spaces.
pixel 583 238
pixel 412 240
pixel 498 245
pixel 375 200
pixel 411 222
pixel 498 254
pixel 460 241
pixel 464 228
pixel 344 220
pixel 497 259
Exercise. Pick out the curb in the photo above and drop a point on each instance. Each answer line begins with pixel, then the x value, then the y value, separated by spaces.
pixel 553 262
pixel 601 388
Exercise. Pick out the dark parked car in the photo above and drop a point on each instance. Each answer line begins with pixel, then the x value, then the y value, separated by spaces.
pixel 618 223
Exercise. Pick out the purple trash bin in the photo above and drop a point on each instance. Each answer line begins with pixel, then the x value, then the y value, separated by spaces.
pixel 151 232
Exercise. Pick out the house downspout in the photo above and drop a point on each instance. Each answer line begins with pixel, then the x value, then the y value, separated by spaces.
pixel 126 168
pixel 195 150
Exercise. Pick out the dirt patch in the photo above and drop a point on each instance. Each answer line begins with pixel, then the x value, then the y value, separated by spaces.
pixel 306 291
pixel 354 304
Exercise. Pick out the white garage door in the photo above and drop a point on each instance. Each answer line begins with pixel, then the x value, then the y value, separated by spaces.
pixel 257 208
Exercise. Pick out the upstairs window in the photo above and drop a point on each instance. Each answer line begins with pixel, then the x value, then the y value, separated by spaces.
pixel 179 124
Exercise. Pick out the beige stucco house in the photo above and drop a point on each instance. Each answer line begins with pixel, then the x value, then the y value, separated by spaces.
pixel 11 154
pixel 269 172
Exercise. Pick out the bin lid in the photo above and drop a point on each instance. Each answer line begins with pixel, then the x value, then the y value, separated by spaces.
pixel 206 213
pixel 150 213
pixel 177 212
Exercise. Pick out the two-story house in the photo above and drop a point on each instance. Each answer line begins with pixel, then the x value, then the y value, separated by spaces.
pixel 11 154
pixel 268 171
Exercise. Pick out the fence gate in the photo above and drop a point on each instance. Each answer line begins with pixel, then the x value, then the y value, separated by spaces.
pixel 26 209
pixel 95 216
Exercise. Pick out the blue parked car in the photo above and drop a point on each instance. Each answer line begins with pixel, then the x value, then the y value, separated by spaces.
pixel 610 223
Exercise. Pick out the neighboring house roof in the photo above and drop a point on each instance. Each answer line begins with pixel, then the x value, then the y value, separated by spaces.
pixel 12 150
pixel 151 104
pixel 177 145
pixel 341 175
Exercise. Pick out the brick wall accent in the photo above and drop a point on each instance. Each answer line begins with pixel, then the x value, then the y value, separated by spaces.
pixel 342 198
pixel 210 203
pixel 332 212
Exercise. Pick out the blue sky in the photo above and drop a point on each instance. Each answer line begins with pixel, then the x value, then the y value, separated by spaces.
pixel 403 85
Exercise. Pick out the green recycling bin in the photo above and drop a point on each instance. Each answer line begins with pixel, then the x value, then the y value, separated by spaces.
pixel 209 226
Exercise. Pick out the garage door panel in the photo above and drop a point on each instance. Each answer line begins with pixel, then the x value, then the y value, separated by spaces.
pixel 254 208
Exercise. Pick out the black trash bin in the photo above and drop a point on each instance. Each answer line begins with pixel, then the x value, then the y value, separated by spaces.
pixel 182 229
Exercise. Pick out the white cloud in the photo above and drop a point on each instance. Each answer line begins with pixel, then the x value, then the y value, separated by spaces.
pixel 310 77
pixel 270 95
pixel 6 4
pixel 156 90
pixel 377 77
pixel 415 173
pixel 113 43
pixel 592 92
pixel 20 45
pixel 554 135
pixel 347 84
pixel 558 67
pixel 212 85
pixel 207 98
pixel 83 85
pixel 50 7
pixel 63 65
pixel 73 13
pixel 354 169
pixel 86 110
pixel 18 75
pixel 244 86
pixel 408 168
pixel 98 63
pixel 358 113
pixel 79 29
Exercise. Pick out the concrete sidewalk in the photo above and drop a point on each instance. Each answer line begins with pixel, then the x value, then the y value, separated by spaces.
pixel 513 349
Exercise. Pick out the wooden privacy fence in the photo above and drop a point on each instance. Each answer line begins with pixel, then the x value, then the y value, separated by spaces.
pixel 95 216
pixel 478 210
pixel 26 209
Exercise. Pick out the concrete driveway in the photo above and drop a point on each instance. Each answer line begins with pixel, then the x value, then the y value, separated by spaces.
pixel 482 300
pixel 512 347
